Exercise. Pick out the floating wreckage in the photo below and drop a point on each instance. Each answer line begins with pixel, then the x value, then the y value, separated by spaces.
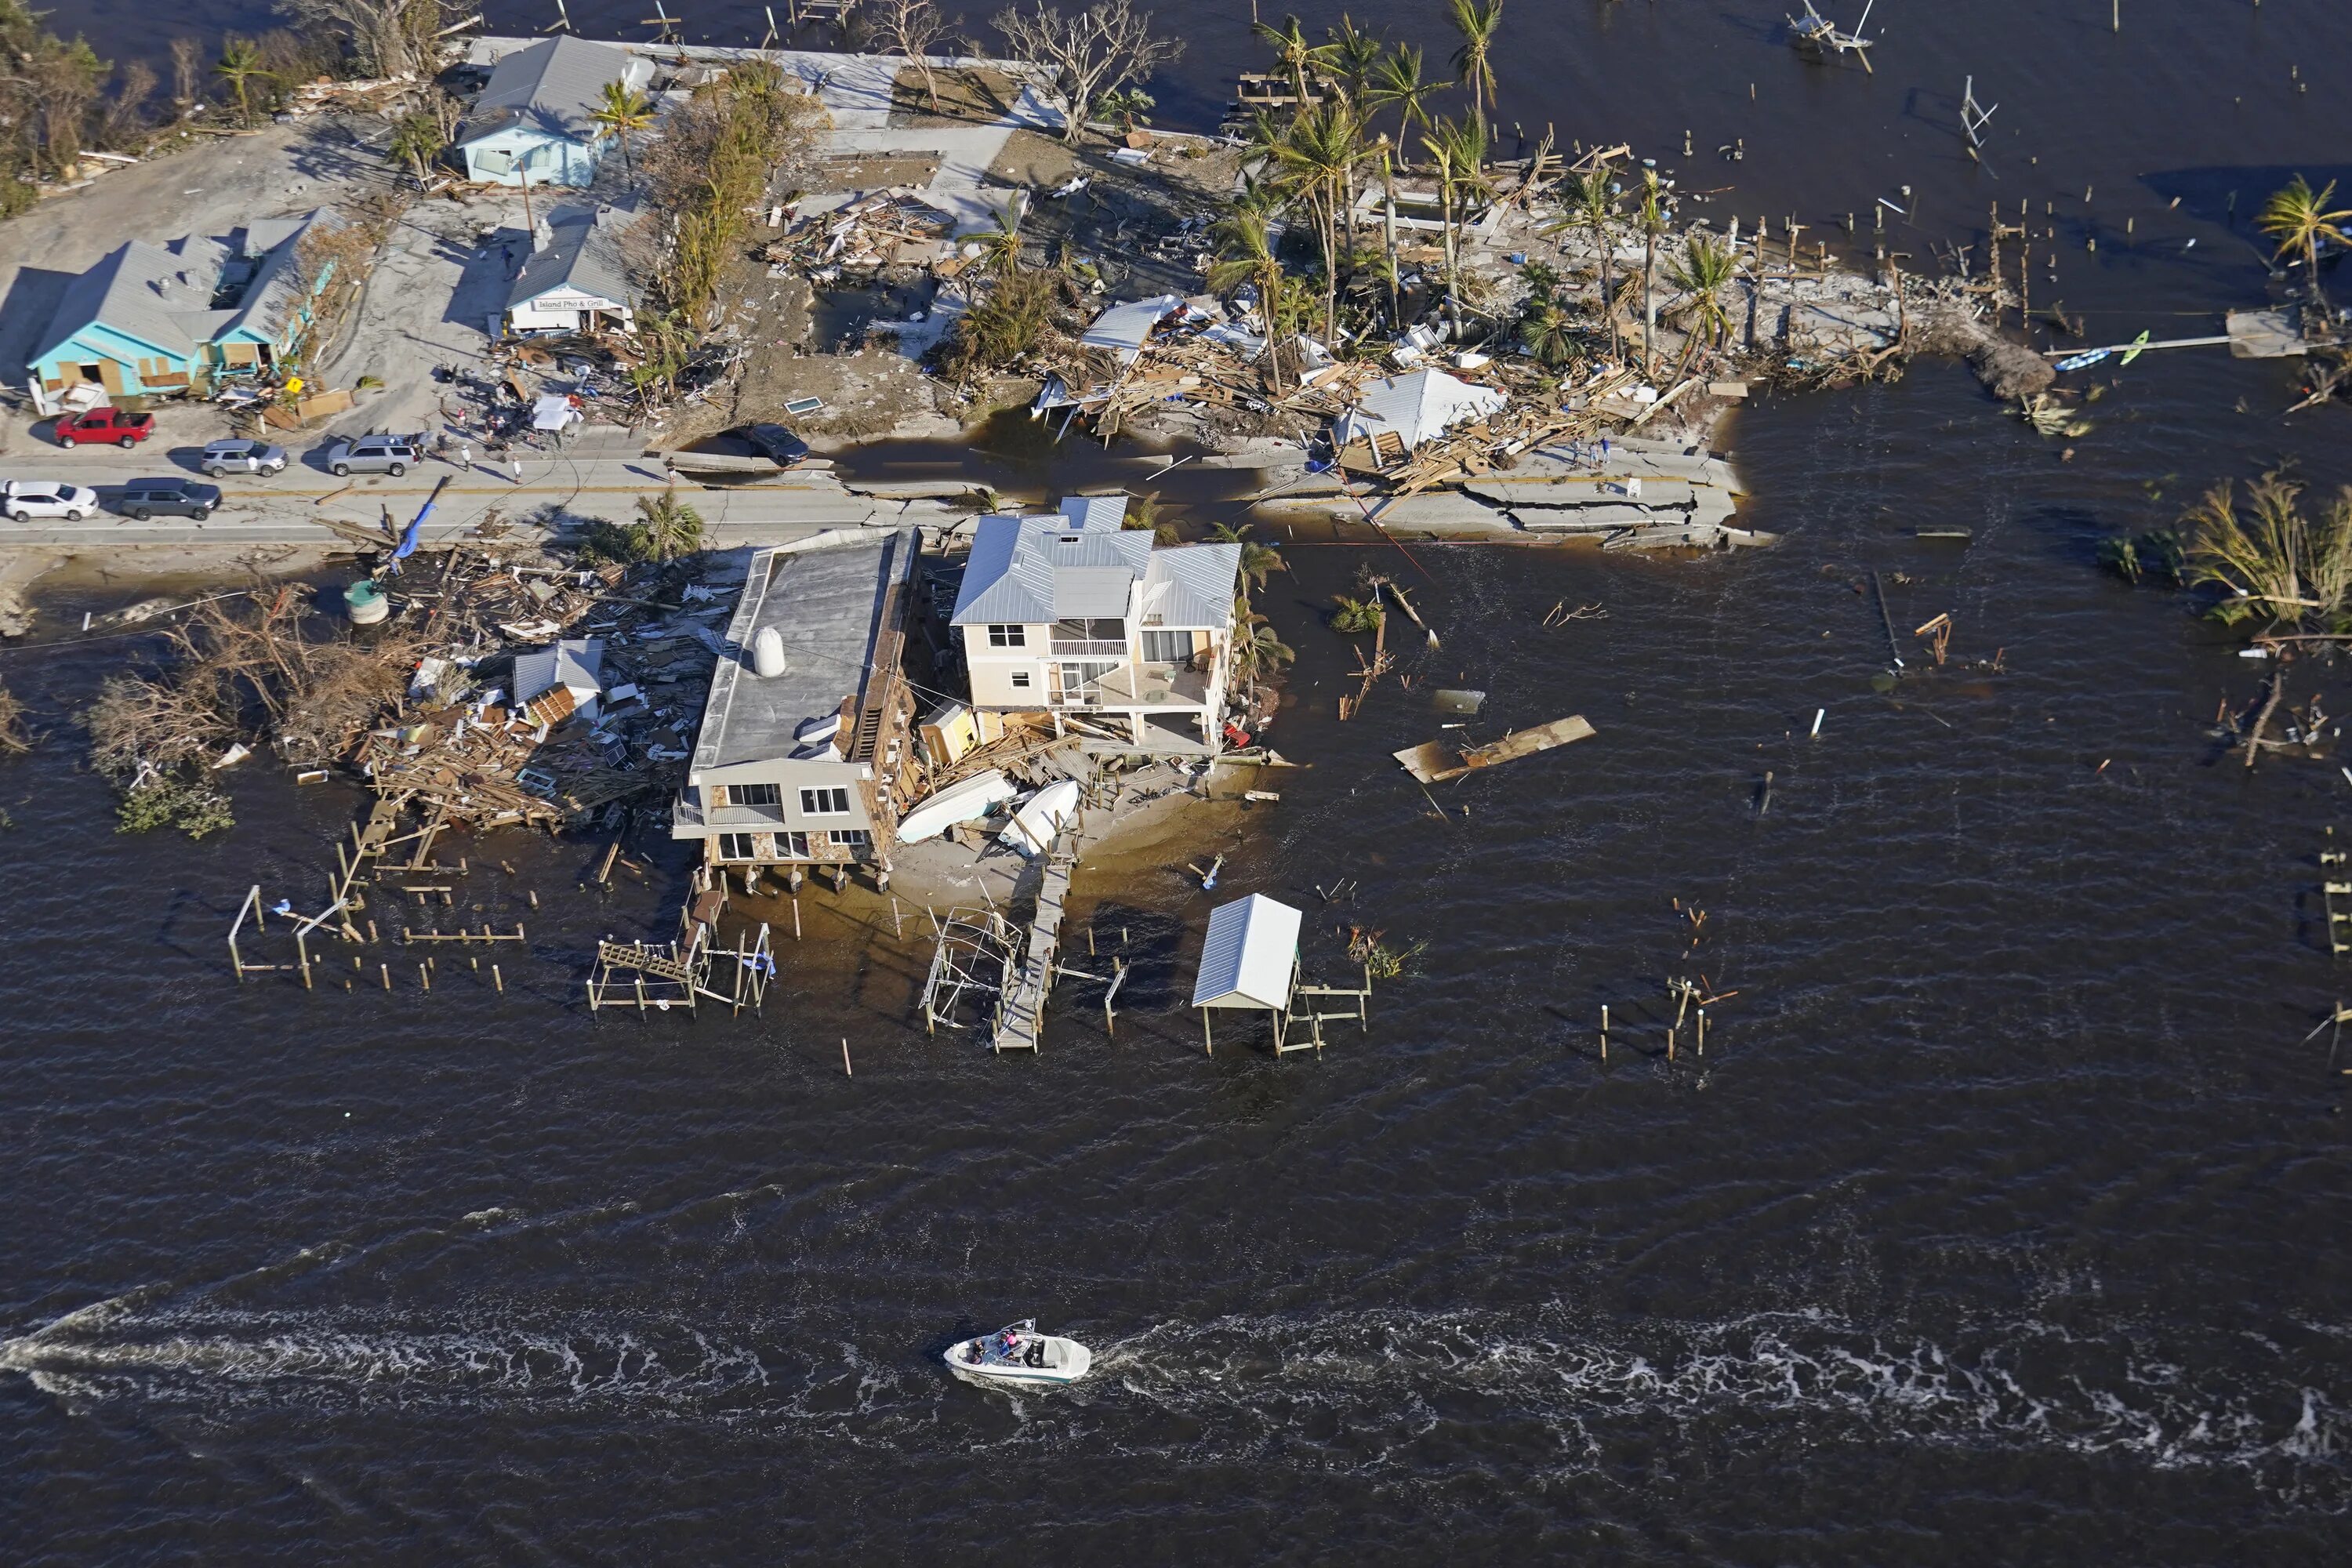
pixel 1437 762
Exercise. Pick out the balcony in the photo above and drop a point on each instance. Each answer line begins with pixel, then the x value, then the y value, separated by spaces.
pixel 1089 647
pixel 1153 686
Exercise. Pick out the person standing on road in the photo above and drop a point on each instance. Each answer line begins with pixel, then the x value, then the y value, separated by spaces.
pixel 518 470
pixel 466 455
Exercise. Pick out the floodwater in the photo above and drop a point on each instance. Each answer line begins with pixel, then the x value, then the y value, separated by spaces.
pixel 2001 1220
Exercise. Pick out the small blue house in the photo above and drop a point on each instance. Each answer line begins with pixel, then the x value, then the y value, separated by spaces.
pixel 533 121
pixel 168 319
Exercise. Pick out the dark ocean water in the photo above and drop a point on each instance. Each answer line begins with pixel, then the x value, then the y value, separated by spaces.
pixel 2001 1222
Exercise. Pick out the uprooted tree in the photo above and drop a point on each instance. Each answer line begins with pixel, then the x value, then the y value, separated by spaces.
pixel 1084 55
pixel 237 668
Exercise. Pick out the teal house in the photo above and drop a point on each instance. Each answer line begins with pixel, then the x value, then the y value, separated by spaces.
pixel 151 320
pixel 534 119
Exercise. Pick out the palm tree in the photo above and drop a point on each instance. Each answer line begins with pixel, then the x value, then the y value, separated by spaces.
pixel 1549 332
pixel 416 141
pixel 1459 149
pixel 240 62
pixel 1650 217
pixel 1259 562
pixel 1396 83
pixel 2298 218
pixel 1316 161
pixel 1351 58
pixel 1001 246
pixel 1476 21
pixel 1258 650
pixel 623 111
pixel 1245 255
pixel 1590 204
pixel 1705 272
pixel 1291 52
pixel 672 528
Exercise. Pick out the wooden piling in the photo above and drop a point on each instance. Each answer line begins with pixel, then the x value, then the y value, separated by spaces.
pixel 497 980
pixel 846 1070
pixel 387 976
pixel 425 977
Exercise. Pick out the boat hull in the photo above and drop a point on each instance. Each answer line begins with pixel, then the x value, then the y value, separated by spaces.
pixel 1073 1363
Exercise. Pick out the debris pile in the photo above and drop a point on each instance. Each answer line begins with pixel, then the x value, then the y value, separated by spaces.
pixel 554 695
pixel 889 230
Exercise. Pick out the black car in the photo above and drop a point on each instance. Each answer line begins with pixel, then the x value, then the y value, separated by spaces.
pixel 143 498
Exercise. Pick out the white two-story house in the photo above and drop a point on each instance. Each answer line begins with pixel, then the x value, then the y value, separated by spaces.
pixel 1072 614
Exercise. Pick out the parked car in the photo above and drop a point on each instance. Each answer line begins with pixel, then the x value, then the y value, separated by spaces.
pixel 24 500
pixel 777 443
pixel 242 457
pixel 104 424
pixel 143 498
pixel 372 454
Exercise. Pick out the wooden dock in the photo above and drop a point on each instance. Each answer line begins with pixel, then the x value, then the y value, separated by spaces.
pixel 1021 1019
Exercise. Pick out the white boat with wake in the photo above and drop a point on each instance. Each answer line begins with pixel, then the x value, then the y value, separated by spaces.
pixel 1018 1354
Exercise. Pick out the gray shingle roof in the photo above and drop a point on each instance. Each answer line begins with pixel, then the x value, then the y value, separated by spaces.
pixel 163 295
pixel 575 662
pixel 554 85
pixel 582 253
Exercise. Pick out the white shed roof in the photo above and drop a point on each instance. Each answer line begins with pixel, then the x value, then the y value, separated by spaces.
pixel 1251 955
pixel 1418 407
pixel 1123 328
pixel 575 662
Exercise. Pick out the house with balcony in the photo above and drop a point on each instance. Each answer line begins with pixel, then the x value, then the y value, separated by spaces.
pixel 1073 616
pixel 534 122
pixel 804 758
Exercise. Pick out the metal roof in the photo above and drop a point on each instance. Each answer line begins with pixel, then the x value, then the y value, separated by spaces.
pixel 823 597
pixel 1123 328
pixel 1095 512
pixel 554 86
pixel 1251 955
pixel 1418 407
pixel 582 254
pixel 575 662
pixel 1191 585
pixel 1027 570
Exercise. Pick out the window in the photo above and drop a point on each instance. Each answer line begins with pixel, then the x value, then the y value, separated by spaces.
pixel 1008 637
pixel 755 794
pixel 1167 647
pixel 735 847
pixel 824 803
pixel 1020 680
pixel 792 846
pixel 853 838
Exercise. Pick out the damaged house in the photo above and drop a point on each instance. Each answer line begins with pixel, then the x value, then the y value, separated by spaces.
pixel 170 318
pixel 1074 617
pixel 804 757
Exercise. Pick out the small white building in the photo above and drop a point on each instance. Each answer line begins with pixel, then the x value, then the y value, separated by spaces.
pixel 1073 613
pixel 576 280
pixel 1249 961
pixel 574 668
pixel 533 122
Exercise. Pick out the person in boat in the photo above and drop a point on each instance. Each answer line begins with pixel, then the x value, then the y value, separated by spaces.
pixel 1009 1345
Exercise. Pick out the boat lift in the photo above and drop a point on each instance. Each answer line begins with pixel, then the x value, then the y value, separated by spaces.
pixel 1815 34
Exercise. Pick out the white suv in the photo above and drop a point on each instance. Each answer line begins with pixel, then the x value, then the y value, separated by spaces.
pixel 24 500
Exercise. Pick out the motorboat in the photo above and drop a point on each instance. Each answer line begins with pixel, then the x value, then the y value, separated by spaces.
pixel 1016 1354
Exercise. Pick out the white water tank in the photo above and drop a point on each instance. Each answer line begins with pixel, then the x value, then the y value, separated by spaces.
pixel 768 652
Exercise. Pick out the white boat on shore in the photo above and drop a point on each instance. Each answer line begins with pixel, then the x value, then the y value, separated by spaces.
pixel 1018 1354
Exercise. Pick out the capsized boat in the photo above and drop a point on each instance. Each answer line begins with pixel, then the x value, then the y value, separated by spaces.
pixel 1017 1353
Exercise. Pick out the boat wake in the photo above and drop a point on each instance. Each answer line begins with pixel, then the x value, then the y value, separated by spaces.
pixel 1366 1392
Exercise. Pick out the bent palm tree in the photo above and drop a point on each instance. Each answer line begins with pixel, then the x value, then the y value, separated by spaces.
pixel 1460 151
pixel 2298 218
pixel 1245 255
pixel 1477 21
pixel 1650 217
pixel 621 113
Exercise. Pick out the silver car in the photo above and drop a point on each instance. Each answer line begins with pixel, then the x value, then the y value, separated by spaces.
pixel 372 454
pixel 242 457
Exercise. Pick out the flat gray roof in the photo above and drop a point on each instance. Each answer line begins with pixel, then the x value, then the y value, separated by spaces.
pixel 824 599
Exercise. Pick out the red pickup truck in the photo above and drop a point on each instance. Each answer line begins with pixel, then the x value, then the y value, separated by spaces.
pixel 103 425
